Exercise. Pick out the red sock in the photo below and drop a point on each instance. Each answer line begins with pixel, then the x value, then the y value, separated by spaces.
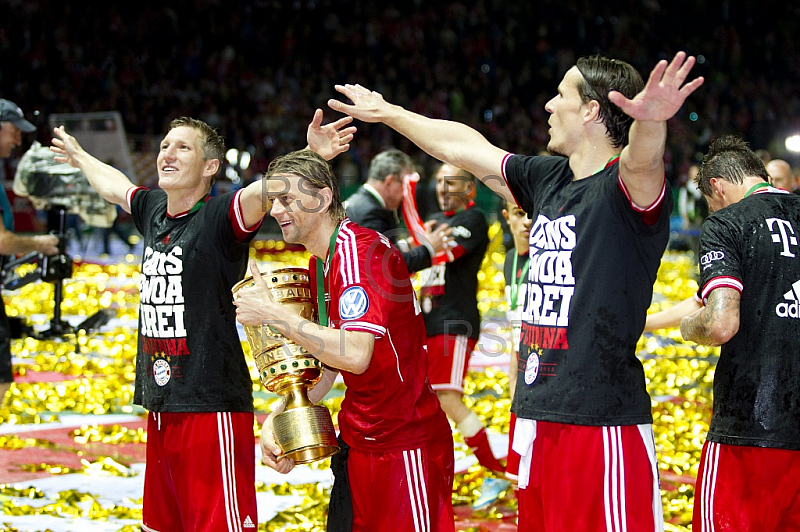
pixel 483 452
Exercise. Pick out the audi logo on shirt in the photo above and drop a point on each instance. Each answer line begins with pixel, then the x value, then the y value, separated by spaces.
pixel 711 256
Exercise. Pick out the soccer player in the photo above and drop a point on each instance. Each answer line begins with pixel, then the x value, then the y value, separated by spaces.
pixel 449 303
pixel 600 223
pixel 749 476
pixel 515 272
pixel 191 373
pixel 398 442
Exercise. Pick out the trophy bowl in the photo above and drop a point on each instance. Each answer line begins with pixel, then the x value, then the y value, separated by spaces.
pixel 304 431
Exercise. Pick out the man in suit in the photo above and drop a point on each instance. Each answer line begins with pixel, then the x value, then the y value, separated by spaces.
pixel 374 206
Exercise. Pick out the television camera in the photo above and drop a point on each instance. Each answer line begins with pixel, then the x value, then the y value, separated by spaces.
pixel 58 189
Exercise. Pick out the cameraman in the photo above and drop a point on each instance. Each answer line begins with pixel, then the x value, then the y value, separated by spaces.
pixel 12 125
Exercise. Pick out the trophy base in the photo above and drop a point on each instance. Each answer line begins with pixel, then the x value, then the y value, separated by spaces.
pixel 306 434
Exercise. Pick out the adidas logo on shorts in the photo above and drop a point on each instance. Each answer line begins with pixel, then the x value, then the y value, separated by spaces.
pixel 248 523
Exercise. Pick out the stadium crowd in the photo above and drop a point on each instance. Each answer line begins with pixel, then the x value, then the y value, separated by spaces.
pixel 257 69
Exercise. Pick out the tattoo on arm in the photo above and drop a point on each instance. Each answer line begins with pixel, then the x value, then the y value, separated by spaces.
pixel 712 323
pixel 697 327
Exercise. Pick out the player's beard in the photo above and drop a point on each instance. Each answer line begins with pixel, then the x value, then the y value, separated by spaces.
pixel 289 232
pixel 555 149
pixel 296 233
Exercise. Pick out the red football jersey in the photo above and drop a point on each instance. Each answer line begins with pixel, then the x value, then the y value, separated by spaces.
pixel 391 406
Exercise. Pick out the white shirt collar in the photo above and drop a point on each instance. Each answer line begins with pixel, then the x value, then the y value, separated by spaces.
pixel 375 193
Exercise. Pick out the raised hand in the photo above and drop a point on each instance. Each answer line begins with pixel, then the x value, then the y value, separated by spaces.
pixel 331 139
pixel 367 105
pixel 65 146
pixel 664 93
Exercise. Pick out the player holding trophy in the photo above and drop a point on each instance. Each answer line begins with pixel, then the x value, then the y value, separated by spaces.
pixel 371 331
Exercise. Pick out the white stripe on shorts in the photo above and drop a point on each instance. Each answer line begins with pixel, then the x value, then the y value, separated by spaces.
pixel 226 455
pixel 613 480
pixel 417 490
pixel 459 359
pixel 708 487
pixel 646 431
pixel 614 494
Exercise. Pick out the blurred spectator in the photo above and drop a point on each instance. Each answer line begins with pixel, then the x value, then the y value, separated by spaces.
pixel 693 209
pixel 780 174
pixel 490 64
pixel 123 232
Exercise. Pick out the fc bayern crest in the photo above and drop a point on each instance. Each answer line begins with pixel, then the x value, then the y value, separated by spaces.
pixel 161 372
pixel 353 303
pixel 532 369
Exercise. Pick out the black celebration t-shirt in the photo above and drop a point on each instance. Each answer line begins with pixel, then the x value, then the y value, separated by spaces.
pixel 590 282
pixel 450 290
pixel 189 357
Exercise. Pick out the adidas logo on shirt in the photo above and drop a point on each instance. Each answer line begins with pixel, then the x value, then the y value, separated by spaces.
pixel 792 308
pixel 248 523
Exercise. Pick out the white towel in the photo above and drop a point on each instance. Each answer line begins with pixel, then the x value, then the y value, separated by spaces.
pixel 524 435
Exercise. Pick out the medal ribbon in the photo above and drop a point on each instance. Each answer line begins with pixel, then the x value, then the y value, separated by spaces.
pixel 755 187
pixel 197 206
pixel 515 286
pixel 322 310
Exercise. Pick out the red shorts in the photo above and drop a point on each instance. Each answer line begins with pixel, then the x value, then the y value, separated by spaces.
pixel 403 490
pixel 200 472
pixel 751 489
pixel 448 360
pixel 590 478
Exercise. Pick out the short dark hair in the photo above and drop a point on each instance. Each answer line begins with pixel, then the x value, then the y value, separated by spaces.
pixel 212 142
pixel 389 162
pixel 460 172
pixel 602 75
pixel 315 170
pixel 730 158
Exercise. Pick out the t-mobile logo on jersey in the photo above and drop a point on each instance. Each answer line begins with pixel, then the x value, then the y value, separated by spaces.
pixel 790 309
pixel 551 283
pixel 161 294
pixel 783 233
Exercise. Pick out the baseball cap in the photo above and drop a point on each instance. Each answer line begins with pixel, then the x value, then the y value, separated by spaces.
pixel 10 112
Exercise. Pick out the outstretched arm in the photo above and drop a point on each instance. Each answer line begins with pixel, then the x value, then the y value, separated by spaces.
pixel 717 322
pixel 447 141
pixel 109 182
pixel 671 317
pixel 328 141
pixel 642 161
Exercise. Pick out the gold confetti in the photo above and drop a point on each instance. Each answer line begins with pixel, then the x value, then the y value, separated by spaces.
pixel 109 434
pixel 98 370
